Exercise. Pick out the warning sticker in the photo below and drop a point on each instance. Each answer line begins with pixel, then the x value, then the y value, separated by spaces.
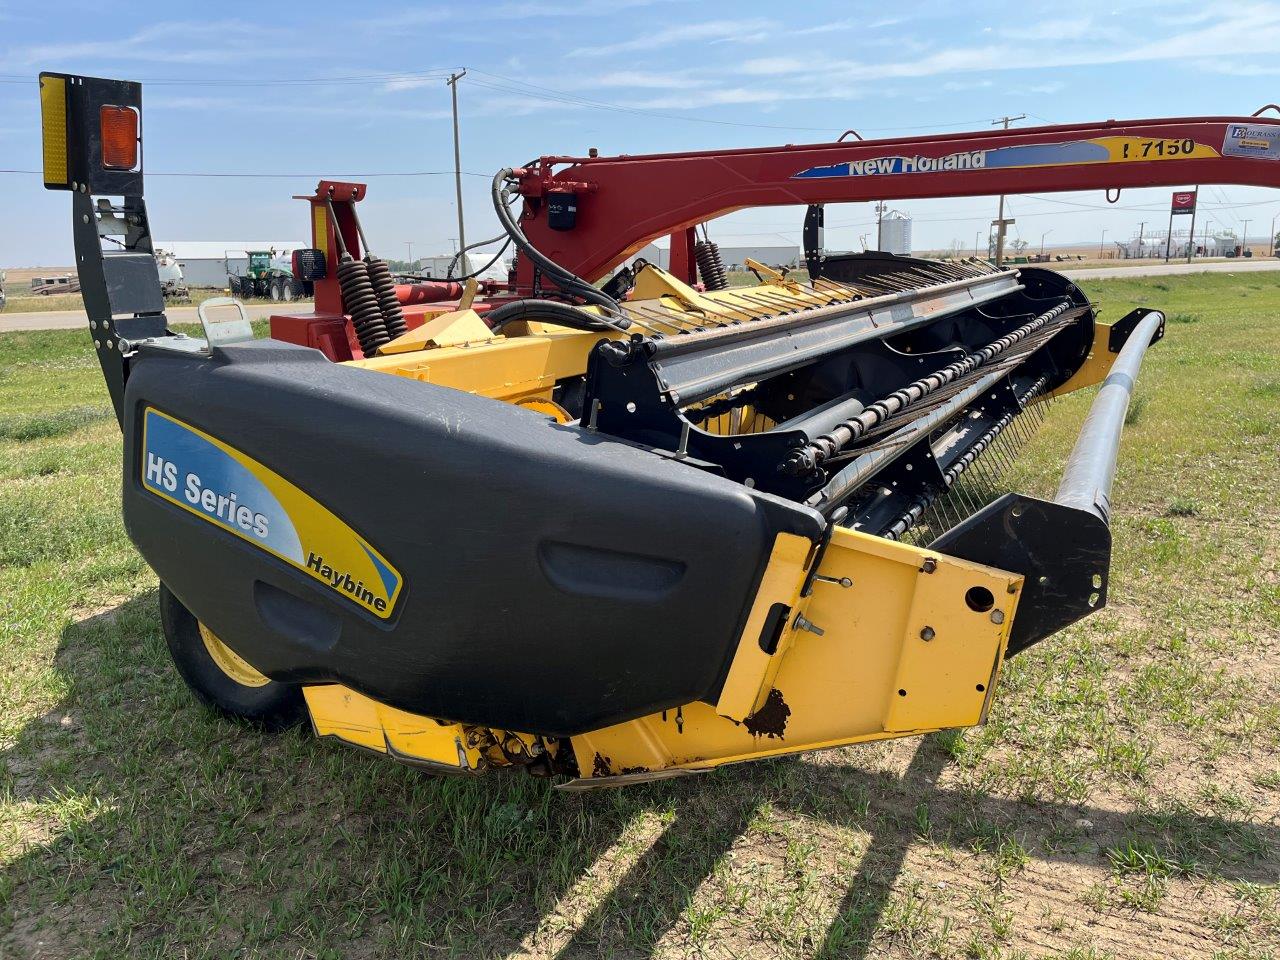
pixel 1261 141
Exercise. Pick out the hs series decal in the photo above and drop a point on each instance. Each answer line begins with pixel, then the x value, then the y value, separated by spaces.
pixel 227 488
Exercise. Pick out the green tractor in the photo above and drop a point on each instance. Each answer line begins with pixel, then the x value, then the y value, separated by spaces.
pixel 268 276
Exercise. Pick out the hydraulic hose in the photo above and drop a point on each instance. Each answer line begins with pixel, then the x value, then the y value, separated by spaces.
pixel 562 278
pixel 448 274
pixel 564 314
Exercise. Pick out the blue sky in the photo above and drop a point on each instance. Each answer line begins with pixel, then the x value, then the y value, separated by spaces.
pixel 331 89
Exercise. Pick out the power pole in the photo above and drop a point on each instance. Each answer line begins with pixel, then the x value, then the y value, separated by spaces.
pixel 1141 227
pixel 1102 245
pixel 1191 234
pixel 457 158
pixel 1244 239
pixel 1000 222
pixel 409 244
pixel 880 225
pixel 977 234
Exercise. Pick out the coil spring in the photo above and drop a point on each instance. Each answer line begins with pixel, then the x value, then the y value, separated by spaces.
pixel 361 303
pixel 706 253
pixel 384 288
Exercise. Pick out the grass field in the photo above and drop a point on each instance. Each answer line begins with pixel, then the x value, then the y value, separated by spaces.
pixel 1123 800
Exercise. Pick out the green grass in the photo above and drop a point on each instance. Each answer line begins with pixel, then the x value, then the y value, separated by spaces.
pixel 1122 800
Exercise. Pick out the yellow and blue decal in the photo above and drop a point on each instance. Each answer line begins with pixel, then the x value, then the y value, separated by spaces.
pixel 206 477
pixel 1071 153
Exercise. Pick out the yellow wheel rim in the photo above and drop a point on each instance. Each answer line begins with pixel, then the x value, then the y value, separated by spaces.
pixel 230 662
pixel 549 407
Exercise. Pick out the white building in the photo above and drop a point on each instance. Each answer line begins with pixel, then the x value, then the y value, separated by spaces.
pixel 206 263
pixel 469 263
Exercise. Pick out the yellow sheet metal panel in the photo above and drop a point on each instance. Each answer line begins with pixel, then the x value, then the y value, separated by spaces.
pixel 1095 367
pixel 338 711
pixel 842 686
pixel 745 686
pixel 53 125
pixel 503 369
pixel 954 640
pixel 443 330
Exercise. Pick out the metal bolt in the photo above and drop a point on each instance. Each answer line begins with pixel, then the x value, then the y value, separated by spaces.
pixel 803 624
pixel 929 565
pixel 997 616
pixel 838 581
pixel 927 634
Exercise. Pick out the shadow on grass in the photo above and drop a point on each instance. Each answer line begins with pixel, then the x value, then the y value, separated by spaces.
pixel 155 828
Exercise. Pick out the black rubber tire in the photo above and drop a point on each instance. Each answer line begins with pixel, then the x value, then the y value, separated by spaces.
pixel 233 285
pixel 273 706
pixel 277 290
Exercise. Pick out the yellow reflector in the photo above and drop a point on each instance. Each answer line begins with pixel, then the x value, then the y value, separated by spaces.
pixel 119 128
pixel 320 229
pixel 53 125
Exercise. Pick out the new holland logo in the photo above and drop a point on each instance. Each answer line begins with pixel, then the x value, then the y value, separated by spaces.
pixel 971 160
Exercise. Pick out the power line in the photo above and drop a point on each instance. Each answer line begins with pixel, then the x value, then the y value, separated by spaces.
pixel 360 79
pixel 291 176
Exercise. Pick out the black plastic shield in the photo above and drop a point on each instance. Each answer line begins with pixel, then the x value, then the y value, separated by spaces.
pixel 555 580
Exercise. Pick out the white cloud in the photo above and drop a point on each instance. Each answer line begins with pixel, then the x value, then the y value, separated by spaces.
pixel 742 31
pixel 515 10
pixel 1073 28
pixel 774 66
pixel 1251 29
pixel 176 42
pixel 654 80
